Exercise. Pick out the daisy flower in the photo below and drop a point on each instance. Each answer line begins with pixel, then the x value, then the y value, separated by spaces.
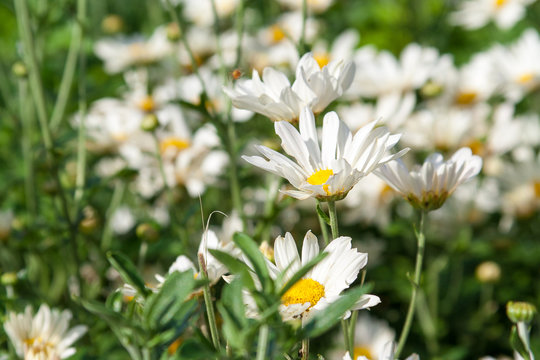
pixel 323 284
pixel 330 171
pixel 429 186
pixel 474 14
pixel 43 336
pixel 275 97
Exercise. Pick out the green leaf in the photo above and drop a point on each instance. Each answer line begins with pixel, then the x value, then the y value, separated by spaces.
pixel 232 309
pixel 193 349
pixel 257 259
pixel 322 214
pixel 163 306
pixel 235 266
pixel 128 271
pixel 326 319
pixel 300 273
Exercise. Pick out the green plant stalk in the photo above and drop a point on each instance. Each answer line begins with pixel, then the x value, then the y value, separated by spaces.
pixel 349 346
pixel 262 345
pixel 209 305
pixel 302 41
pixel 352 330
pixel 239 22
pixel 305 349
pixel 160 161
pixel 233 170
pixel 25 110
pixel 217 30
pixel 324 228
pixel 523 333
pixel 421 240
pixel 333 219
pixel 116 198
pixel 69 67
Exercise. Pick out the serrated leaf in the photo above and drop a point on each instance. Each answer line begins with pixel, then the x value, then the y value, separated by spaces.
pixel 252 252
pixel 300 273
pixel 235 266
pixel 128 272
pixel 324 320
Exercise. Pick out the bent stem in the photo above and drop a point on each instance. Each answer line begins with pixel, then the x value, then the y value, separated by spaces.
pixel 421 240
pixel 305 349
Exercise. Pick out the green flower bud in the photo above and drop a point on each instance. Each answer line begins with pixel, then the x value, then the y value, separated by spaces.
pixel 9 278
pixel 19 69
pixel 150 122
pixel 147 232
pixel 173 32
pixel 112 24
pixel 520 311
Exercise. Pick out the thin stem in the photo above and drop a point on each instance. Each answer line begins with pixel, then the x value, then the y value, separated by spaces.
pixel 523 333
pixel 415 285
pixel 305 349
pixel 25 109
pixel 209 305
pixel 352 330
pixel 116 198
pixel 263 342
pixel 333 219
pixel 233 170
pixel 143 249
pixel 322 223
pixel 345 328
pixel 160 161
pixel 239 31
pixel 302 41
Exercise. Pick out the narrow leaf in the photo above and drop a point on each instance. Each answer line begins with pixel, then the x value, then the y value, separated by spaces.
pixel 128 271
pixel 252 252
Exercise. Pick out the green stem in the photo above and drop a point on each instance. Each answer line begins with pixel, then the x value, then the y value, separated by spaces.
pixel 25 109
pixel 302 41
pixel 348 345
pixel 333 219
pixel 233 170
pixel 239 31
pixel 352 331
pixel 143 249
pixel 209 305
pixel 305 349
pixel 322 223
pixel 415 285
pixel 116 198
pixel 263 342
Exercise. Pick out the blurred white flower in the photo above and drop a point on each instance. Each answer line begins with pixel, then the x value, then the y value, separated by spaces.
pixel 429 186
pixel 122 220
pixel 275 98
pixel 330 171
pixel 474 14
pixel 44 335
pixel 121 53
pixel 316 6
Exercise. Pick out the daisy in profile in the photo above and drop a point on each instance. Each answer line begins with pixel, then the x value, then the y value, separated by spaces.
pixel 427 187
pixel 323 284
pixel 43 336
pixel 327 172
pixel 275 97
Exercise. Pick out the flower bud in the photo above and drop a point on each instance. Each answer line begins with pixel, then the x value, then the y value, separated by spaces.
pixel 431 89
pixel 112 24
pixel 488 272
pixel 150 122
pixel 9 278
pixel 19 69
pixel 90 220
pixel 173 32
pixel 267 250
pixel 520 311
pixel 147 232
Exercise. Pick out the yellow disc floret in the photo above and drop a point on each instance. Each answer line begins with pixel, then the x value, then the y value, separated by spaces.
pixel 500 3
pixel 320 177
pixel 525 78
pixel 304 291
pixel 147 104
pixel 466 98
pixel 174 143
pixel 363 351
pixel 322 59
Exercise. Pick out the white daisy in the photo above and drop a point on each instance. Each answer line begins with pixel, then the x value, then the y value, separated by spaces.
pixel 429 186
pixel 275 98
pixel 474 14
pixel 330 171
pixel 43 336
pixel 323 284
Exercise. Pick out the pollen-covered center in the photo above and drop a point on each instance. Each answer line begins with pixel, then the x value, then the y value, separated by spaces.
pixel 525 78
pixel 305 290
pixel 37 348
pixel 500 3
pixel 322 59
pixel 320 177
pixel 147 104
pixel 363 351
pixel 466 98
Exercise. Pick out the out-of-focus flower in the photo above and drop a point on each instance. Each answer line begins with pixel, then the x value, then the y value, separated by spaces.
pixel 388 354
pixel 429 186
pixel 370 338
pixel 6 219
pixel 122 220
pixel 517 65
pixel 488 272
pixel 474 14
pixel 316 6
pixel 328 172
pixel 121 53
pixel 275 98
pixel 44 335
pixel 323 284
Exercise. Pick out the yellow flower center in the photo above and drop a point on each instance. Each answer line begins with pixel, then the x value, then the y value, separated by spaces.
pixel 277 33
pixel 173 143
pixel 305 290
pixel 500 3
pixel 322 59
pixel 536 186
pixel 363 351
pixel 477 147
pixel 320 177
pixel 466 98
pixel 525 78
pixel 36 348
pixel 147 104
